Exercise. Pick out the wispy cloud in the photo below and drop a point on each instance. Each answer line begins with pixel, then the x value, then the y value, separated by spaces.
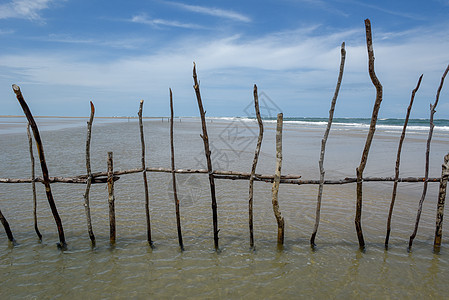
pixel 142 19
pixel 23 9
pixel 402 14
pixel 212 11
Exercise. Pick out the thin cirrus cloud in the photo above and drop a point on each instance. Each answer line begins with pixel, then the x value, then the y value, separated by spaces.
pixel 212 11
pixel 23 9
pixel 142 19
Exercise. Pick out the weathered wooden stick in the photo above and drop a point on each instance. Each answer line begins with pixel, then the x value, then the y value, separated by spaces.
pixel 33 183
pixel 323 145
pixel 398 160
pixel 440 206
pixel 205 138
pixel 175 193
pixel 253 168
pixel 7 228
pixel 426 175
pixel 111 200
pixel 276 181
pixel 369 138
pixel 89 175
pixel 144 174
pixel 45 176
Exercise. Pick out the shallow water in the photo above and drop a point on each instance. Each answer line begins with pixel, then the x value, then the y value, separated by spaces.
pixel 131 269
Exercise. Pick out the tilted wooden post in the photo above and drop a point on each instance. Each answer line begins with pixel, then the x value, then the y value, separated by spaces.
pixel 323 145
pixel 253 168
pixel 369 138
pixel 205 138
pixel 111 199
pixel 276 181
pixel 33 183
pixel 426 175
pixel 175 192
pixel 40 149
pixel 89 175
pixel 440 207
pixel 144 174
pixel 398 160
pixel 7 228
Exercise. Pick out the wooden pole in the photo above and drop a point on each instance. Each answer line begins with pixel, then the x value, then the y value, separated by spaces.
pixel 323 145
pixel 369 138
pixel 33 183
pixel 89 175
pixel 144 174
pixel 253 168
pixel 426 175
pixel 440 206
pixel 398 160
pixel 207 152
pixel 7 228
pixel 40 149
pixel 111 200
pixel 276 181
pixel 175 193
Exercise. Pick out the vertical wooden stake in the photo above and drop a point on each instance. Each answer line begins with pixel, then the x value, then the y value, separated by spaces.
pixel 323 145
pixel 46 180
pixel 277 180
pixel 398 160
pixel 440 207
pixel 7 228
pixel 426 175
pixel 369 138
pixel 89 175
pixel 144 174
pixel 205 138
pixel 111 199
pixel 253 168
pixel 33 184
pixel 175 193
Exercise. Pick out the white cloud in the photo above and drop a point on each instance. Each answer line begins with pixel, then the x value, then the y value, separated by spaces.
pixel 142 19
pixel 212 11
pixel 24 9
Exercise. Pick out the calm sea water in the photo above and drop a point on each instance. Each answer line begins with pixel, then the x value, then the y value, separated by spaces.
pixel 131 269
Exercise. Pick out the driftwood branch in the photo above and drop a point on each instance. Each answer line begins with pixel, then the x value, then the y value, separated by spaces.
pixel 45 176
pixel 208 159
pixel 253 168
pixel 440 206
pixel 426 175
pixel 144 175
pixel 276 181
pixel 111 200
pixel 175 192
pixel 89 175
pixel 323 144
pixel 398 160
pixel 369 138
pixel 33 183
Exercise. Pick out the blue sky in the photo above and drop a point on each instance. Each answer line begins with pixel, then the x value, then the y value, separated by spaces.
pixel 65 53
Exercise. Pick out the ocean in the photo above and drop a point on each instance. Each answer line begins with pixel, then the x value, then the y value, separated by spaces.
pixel 131 269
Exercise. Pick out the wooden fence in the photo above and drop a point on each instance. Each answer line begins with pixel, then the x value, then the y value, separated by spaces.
pixel 110 176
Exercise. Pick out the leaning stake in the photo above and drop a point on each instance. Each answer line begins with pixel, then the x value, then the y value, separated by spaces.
pixel 426 175
pixel 323 145
pixel 89 175
pixel 33 183
pixel 440 207
pixel 175 193
pixel 40 149
pixel 253 169
pixel 144 174
pixel 276 181
pixel 7 228
pixel 369 138
pixel 111 199
pixel 398 160
pixel 208 159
